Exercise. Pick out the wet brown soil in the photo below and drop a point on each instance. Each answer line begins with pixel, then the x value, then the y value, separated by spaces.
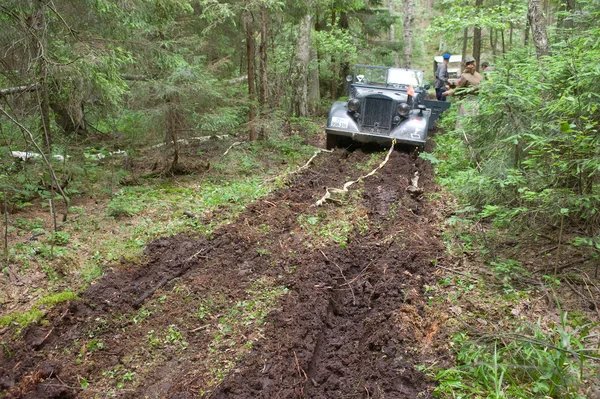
pixel 354 322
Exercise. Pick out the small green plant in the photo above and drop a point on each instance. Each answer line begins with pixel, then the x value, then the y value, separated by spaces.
pixel 508 270
pixel 120 375
pixel 83 382
pixel 530 363
pixel 60 238
pixel 94 345
pixel 142 315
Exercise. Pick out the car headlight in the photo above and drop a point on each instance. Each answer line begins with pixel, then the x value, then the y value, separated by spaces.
pixel 353 105
pixel 403 109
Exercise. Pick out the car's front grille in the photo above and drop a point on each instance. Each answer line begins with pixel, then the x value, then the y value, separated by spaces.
pixel 378 113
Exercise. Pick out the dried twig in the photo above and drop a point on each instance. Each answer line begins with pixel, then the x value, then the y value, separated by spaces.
pixel 457 272
pixel 563 267
pixel 300 371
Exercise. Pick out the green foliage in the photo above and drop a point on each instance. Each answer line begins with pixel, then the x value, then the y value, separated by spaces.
pixel 533 157
pixel 531 363
pixel 23 319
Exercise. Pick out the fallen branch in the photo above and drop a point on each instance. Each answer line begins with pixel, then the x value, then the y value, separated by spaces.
pixel 230 147
pixel 18 89
pixel 563 267
pixel 343 190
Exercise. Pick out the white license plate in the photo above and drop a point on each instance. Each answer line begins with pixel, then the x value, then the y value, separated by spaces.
pixel 339 122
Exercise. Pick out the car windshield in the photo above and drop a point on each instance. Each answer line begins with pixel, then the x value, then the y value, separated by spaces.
pixel 404 77
pixel 370 75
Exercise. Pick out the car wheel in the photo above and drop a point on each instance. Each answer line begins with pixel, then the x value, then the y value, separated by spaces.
pixel 332 141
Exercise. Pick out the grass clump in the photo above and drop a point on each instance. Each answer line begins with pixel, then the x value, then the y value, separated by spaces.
pixel 23 319
pixel 530 363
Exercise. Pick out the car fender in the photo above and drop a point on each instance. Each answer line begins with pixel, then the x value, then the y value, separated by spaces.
pixel 340 119
pixel 414 127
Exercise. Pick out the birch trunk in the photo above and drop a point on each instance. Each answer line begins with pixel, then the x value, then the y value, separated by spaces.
pixel 538 28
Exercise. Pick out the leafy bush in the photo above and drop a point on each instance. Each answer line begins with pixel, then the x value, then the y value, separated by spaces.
pixel 530 363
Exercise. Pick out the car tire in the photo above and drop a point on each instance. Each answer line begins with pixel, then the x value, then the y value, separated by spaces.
pixel 332 141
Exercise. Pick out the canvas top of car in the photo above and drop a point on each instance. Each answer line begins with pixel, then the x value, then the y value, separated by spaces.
pixel 387 76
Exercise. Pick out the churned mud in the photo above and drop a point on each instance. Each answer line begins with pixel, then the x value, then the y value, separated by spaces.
pixel 263 308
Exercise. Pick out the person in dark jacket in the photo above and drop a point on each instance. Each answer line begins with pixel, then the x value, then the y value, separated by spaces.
pixel 441 78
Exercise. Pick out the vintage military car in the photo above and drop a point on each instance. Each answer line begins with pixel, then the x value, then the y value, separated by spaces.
pixel 384 104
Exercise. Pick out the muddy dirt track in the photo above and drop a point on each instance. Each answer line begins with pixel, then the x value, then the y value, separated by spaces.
pixel 343 321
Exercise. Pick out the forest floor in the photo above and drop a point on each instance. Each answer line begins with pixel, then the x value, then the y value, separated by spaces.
pixel 285 300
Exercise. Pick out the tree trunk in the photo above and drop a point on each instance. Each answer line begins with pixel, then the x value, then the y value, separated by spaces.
pixel 69 120
pixel 39 45
pixel 171 136
pixel 393 34
pixel 538 28
pixel 248 25
pixel 301 62
pixel 264 84
pixel 464 46
pixel 409 18
pixel 314 91
pixel 477 38
pixel 526 38
pixel 493 42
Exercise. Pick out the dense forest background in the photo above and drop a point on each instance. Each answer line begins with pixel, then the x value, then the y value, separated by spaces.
pixel 121 75
pixel 97 96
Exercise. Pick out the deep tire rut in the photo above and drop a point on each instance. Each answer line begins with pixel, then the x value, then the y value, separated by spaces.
pixel 354 323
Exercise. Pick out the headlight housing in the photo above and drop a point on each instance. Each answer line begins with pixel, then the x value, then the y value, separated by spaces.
pixel 403 109
pixel 353 105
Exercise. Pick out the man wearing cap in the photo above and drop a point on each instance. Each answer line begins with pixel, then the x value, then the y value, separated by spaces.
pixel 469 80
pixel 466 88
pixel 441 78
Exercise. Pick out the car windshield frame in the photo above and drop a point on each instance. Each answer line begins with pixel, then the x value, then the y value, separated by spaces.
pixel 403 76
pixel 387 76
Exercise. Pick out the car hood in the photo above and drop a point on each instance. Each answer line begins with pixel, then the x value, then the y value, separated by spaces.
pixel 396 95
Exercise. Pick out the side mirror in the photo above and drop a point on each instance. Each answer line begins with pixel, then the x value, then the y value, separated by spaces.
pixel 349 78
pixel 427 86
